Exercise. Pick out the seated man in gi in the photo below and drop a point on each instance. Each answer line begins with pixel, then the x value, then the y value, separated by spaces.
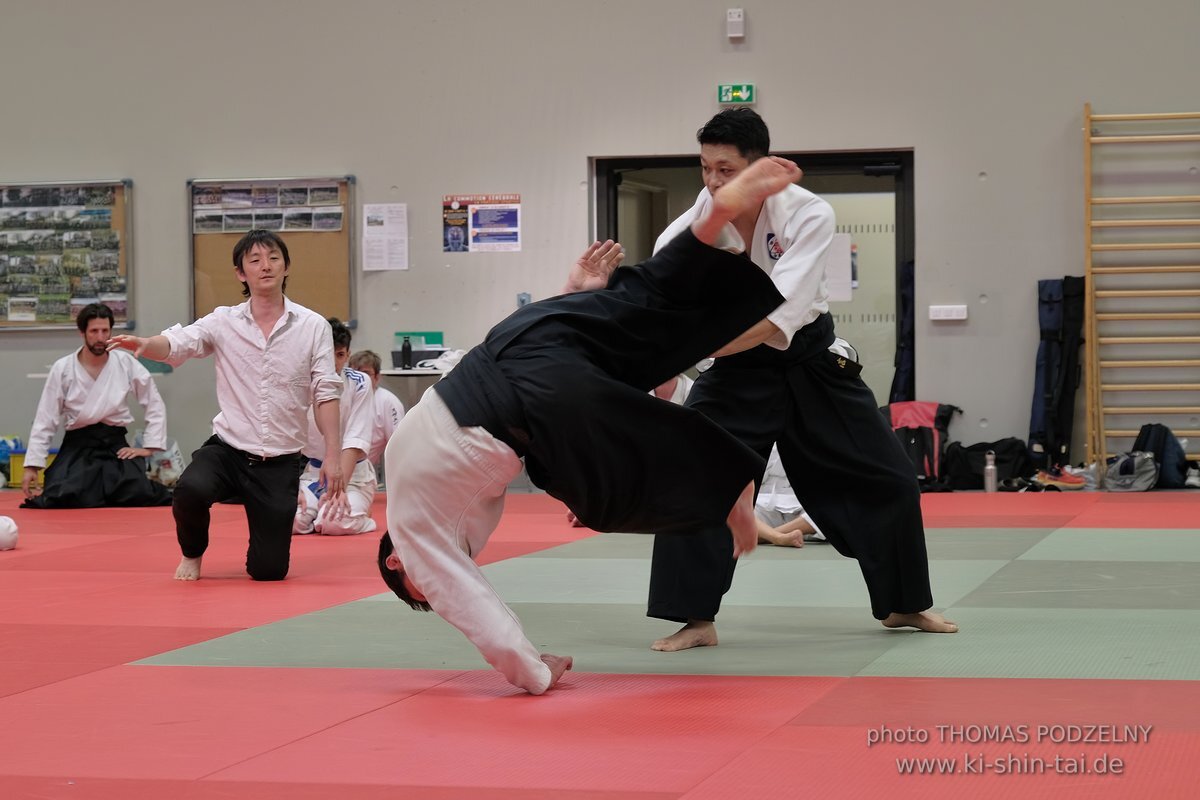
pixel 357 420
pixel 388 408
pixel 86 392
pixel 565 383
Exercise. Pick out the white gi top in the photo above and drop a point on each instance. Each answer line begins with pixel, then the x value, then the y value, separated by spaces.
pixel 73 397
pixel 388 413
pixel 264 386
pixel 357 415
pixel 791 238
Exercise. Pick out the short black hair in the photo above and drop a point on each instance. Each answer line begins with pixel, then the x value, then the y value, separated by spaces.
pixel 93 311
pixel 741 127
pixel 341 334
pixel 267 239
pixel 394 579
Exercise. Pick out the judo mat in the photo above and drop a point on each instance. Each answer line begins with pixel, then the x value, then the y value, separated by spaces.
pixel 1076 672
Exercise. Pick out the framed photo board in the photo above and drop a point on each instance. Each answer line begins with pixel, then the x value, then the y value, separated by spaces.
pixel 64 245
pixel 313 216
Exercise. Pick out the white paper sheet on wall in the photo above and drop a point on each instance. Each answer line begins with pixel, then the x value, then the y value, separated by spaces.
pixel 837 270
pixel 385 236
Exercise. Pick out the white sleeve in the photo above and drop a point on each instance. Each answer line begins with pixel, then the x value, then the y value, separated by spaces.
pixel 193 341
pixel 49 415
pixel 800 272
pixel 457 590
pixel 358 421
pixel 142 384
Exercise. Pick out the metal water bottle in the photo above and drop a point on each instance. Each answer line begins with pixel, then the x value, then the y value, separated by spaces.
pixel 989 472
pixel 406 354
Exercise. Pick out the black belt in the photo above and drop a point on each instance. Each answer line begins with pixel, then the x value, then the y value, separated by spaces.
pixel 256 459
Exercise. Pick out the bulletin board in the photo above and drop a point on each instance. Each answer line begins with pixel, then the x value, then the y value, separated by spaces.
pixel 64 245
pixel 313 216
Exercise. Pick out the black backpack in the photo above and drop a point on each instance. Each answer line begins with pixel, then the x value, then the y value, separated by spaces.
pixel 922 429
pixel 964 465
pixel 1168 454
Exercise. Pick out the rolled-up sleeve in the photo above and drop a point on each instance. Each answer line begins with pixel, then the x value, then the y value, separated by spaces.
pixel 193 341
pixel 326 384
pixel 799 274
pixel 142 383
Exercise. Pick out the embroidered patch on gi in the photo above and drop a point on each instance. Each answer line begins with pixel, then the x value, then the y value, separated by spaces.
pixel 774 248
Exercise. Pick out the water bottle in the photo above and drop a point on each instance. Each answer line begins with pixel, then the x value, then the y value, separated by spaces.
pixel 989 472
pixel 406 354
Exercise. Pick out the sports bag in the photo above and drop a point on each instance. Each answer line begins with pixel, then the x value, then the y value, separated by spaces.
pixel 964 465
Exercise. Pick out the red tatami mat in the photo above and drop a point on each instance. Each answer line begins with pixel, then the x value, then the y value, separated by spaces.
pixel 88 592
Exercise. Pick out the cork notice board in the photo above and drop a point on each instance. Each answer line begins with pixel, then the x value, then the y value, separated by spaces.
pixel 63 246
pixel 313 216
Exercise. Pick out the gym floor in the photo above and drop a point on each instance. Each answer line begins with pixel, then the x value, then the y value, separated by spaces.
pixel 1076 673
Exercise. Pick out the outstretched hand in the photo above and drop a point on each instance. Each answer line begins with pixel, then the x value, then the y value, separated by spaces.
pixel 125 341
pixel 594 267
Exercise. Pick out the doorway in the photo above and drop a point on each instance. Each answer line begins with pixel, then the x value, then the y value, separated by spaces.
pixel 871 193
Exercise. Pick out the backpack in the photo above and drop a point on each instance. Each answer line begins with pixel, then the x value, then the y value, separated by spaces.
pixel 964 465
pixel 922 429
pixel 1131 472
pixel 1159 441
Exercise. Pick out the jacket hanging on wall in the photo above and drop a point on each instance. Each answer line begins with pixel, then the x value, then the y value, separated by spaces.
pixel 1060 318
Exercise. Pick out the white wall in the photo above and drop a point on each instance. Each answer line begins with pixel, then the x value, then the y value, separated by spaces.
pixel 419 99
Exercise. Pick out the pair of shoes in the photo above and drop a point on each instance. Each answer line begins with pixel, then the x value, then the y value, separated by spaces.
pixel 1061 480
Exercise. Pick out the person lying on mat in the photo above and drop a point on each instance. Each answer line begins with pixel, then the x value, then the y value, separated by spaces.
pixel 564 383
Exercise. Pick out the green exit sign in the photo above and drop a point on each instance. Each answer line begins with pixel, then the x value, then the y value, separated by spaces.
pixel 735 93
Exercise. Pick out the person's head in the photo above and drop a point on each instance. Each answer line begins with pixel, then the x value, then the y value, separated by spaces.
pixel 341 343
pixel 729 142
pixel 393 575
pixel 368 363
pixel 95 323
pixel 261 258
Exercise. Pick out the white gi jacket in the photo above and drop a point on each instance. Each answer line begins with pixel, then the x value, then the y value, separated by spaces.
pixel 791 239
pixel 72 397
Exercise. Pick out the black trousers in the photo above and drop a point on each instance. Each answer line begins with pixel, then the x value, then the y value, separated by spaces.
pixel 267 489
pixel 842 459
pixel 87 474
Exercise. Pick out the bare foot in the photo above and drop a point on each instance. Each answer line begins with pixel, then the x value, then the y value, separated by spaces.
pixel 188 569
pixel 790 539
pixel 745 193
pixel 697 633
pixel 558 665
pixel 929 621
pixel 742 522
pixel 753 185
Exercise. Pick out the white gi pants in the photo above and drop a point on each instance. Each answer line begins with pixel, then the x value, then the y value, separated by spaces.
pixel 360 492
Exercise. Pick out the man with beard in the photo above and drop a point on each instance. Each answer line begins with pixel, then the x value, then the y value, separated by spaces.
pixel 86 393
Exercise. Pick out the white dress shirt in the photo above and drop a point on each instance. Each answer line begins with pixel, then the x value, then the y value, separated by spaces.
pixel 357 411
pixel 264 385
pixel 76 399
pixel 388 413
pixel 791 239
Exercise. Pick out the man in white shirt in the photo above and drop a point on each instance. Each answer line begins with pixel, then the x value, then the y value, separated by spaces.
pixel 778 382
pixel 86 392
pixel 388 408
pixel 274 359
pixel 358 420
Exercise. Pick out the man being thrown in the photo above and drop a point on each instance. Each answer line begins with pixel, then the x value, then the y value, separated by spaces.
pixel 778 382
pixel 274 359
pixel 358 419
pixel 86 392
pixel 565 383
